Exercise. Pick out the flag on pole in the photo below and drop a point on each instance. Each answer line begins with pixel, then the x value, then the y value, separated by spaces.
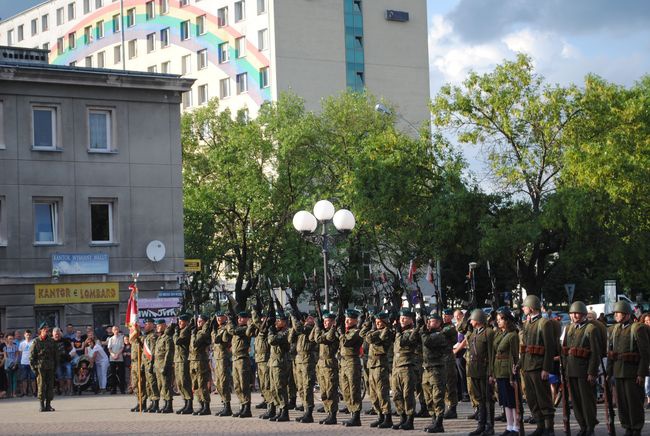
pixel 430 274
pixel 132 306
pixel 412 270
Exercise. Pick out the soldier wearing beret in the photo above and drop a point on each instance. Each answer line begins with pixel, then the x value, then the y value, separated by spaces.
pixel 305 362
pixel 349 348
pixel 199 362
pixel 137 369
pixel 434 379
pixel 379 336
pixel 262 350
pixel 327 368
pixel 164 364
pixel 182 337
pixel 407 340
pixel 241 365
pixel 149 349
pixel 43 359
pixel 221 340
pixel 279 366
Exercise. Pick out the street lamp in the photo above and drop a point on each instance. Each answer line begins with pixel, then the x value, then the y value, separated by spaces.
pixel 382 109
pixel 324 214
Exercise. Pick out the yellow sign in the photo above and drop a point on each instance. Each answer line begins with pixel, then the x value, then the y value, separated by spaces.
pixel 67 293
pixel 192 265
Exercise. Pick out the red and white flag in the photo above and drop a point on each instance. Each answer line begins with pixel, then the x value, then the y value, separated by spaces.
pixel 430 274
pixel 412 270
pixel 132 306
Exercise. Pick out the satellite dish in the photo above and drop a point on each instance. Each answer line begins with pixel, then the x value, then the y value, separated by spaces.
pixel 156 251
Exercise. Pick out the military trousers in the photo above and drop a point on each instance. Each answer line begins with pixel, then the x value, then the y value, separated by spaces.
pixel 583 400
pixel 45 383
pixel 538 395
pixel 264 379
pixel 200 375
pixel 451 395
pixel 419 393
pixel 328 380
pixel 485 396
pixel 629 396
pixel 152 383
pixel 223 379
pixel 164 379
pixel 278 381
pixel 305 375
pixel 403 384
pixel 292 390
pixel 142 385
pixel 241 375
pixel 183 381
pixel 379 389
pixel 351 383
pixel 434 386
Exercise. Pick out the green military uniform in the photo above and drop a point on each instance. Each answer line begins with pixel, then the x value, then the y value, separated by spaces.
pixel 379 343
pixel 304 365
pixel 581 354
pixel 292 386
pixel 407 341
pixel 537 350
pixel 505 356
pixel 327 368
pixel 222 366
pixel 182 337
pixel 479 345
pixel 435 347
pixel 279 368
pixel 200 366
pixel 241 363
pixel 153 392
pixel 262 350
pixel 43 359
pixel 627 360
pixel 349 348
pixel 164 366
pixel 138 386
pixel 451 394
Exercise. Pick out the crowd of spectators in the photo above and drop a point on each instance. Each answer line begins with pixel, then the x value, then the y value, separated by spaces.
pixel 104 353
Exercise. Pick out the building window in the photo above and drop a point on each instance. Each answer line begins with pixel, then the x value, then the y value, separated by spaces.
pixel 186 99
pixel 21 33
pixel 130 17
pixel 86 6
pixel 99 4
pixel 202 59
pixel 89 61
pixel 223 52
pixel 100 59
pixel 59 16
pixel 99 29
pixel 117 23
pixel 261 7
pixel 222 16
pixel 164 7
pixel 242 83
pixel 72 41
pixel 59 46
pixel 263 39
pixel 183 2
pixel 10 37
pixel 150 10
pixel 100 130
pixel 88 34
pixel 34 26
pixel 152 69
pixel 164 37
pixel 52 316
pixel 73 64
pixel 240 47
pixel 224 88
pixel 44 127
pixel 151 42
pixel 240 10
pixel 186 64
pixel 200 25
pixel 165 67
pixel 264 77
pixel 185 30
pixel 45 23
pixel 133 48
pixel 102 315
pixel 72 11
pixel 46 46
pixel 3 221
pixel 203 94
pixel 117 54
pixel 46 221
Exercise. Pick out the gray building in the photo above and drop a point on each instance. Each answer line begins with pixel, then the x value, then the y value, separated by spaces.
pixel 90 177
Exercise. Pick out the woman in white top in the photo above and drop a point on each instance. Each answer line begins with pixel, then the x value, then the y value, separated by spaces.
pixel 96 354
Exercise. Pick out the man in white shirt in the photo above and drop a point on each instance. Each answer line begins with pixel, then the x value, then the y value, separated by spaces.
pixel 27 376
pixel 115 345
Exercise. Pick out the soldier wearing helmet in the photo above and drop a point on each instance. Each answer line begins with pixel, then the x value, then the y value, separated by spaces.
pixel 480 343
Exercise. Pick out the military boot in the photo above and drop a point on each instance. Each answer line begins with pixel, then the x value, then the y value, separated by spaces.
pixel 137 407
pixel 201 409
pixel 539 431
pixel 399 424
pixel 379 420
pixel 270 412
pixel 408 425
pixel 262 405
pixel 489 426
pixel 241 409
pixel 481 422
pixel 163 407
pixel 354 421
pixel 169 407
pixel 206 410
pixel 42 408
pixel 246 413
pixel 48 406
pixel 292 403
pixel 283 416
pixel 154 407
pixel 189 410
pixel 225 411
pixel 450 413
pixel 436 427
pixel 433 423
pixel 331 419
pixel 549 430
pixel 308 417
pixel 387 422
pixel 179 411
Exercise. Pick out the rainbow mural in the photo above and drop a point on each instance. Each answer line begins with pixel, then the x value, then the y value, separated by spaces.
pixel 212 37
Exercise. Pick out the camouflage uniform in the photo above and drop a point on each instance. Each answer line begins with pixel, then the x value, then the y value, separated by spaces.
pixel 200 366
pixel 242 372
pixel 305 362
pixel 222 363
pixel 182 339
pixel 404 374
pixel 44 358
pixel 150 373
pixel 434 379
pixel 327 367
pixel 164 365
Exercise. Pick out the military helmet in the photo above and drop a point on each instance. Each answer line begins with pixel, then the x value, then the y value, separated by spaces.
pixel 578 307
pixel 623 307
pixel 479 316
pixel 533 302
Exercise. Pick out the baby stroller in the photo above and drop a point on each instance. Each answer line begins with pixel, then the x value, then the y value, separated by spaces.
pixel 84 377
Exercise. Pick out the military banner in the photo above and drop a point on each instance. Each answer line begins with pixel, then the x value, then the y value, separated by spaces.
pixel 156 308
pixel 68 293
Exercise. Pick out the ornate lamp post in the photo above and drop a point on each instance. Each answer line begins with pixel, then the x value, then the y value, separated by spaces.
pixel 324 214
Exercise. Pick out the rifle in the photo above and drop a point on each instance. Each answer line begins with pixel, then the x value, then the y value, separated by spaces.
pixel 471 291
pixel 494 300
pixel 566 410
pixel 436 291
pixel 231 304
pixel 375 290
pixel 519 401
pixel 292 302
pixel 609 407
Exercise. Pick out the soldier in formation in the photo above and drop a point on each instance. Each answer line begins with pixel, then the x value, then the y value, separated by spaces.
pixel 43 359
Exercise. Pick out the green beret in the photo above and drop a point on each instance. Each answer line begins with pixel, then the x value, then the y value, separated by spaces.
pixel 219 313
pixel 204 317
pixel 448 311
pixel 149 320
pixel 329 315
pixel 281 315
pixel 43 325
pixel 161 321
pixel 384 316
pixel 184 317
pixel 244 314
pixel 352 313
pixel 406 312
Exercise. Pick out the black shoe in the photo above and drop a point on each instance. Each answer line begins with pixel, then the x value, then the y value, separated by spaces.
pixel 399 424
pixel 270 412
pixel 189 410
pixel 179 411
pixel 436 427
pixel 539 431
pixel 168 407
pixel 200 409
pixel 479 430
pixel 154 407
pixel 163 407
pixel 489 430
pixel 137 408
pixel 321 409
pixel 473 415
pixel 330 420
pixel 354 421
pixel 408 425
pixel 206 410
pixel 283 416
pixel 48 406
pixel 236 414
pixel 379 420
pixel 42 408
pixel 450 413
pixel 226 411
pixel 387 422
pixel 292 403
pixel 262 405
pixel 246 413
pixel 308 417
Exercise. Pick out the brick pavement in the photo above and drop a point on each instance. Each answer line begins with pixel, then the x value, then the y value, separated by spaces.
pixel 109 414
